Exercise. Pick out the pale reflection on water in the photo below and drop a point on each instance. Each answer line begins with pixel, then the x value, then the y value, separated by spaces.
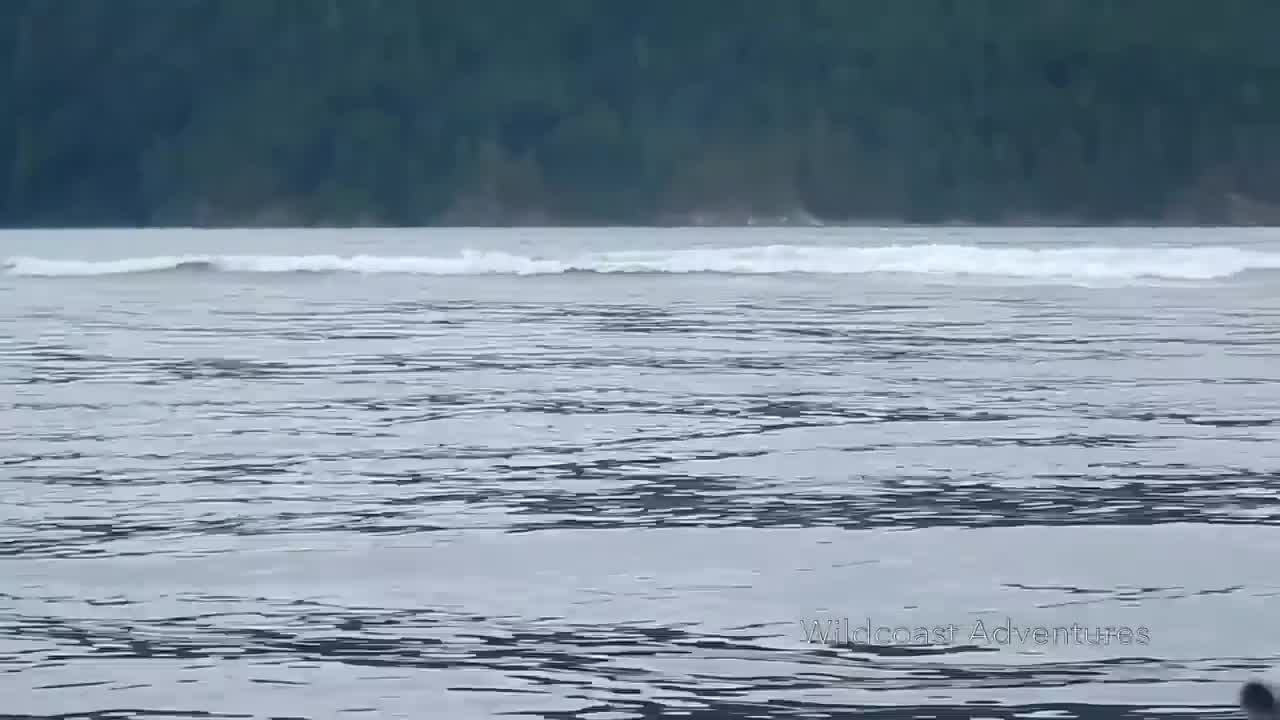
pixel 590 495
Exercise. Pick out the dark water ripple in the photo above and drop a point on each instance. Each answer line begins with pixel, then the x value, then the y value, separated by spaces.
pixel 626 497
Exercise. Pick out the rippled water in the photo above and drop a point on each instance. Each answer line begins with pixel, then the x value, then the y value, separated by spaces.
pixel 625 474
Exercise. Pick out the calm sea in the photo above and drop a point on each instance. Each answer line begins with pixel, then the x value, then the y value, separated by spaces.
pixel 612 474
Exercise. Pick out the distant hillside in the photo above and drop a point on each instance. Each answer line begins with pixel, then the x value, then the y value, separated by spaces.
pixel 215 112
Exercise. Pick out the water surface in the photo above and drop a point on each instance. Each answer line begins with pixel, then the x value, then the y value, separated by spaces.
pixel 601 474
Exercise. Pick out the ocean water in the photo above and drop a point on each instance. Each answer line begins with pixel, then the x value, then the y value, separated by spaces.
pixel 610 474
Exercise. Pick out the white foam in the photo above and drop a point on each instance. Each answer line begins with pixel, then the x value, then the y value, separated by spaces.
pixel 1067 263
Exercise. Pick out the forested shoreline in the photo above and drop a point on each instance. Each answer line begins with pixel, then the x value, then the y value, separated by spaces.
pixel 403 112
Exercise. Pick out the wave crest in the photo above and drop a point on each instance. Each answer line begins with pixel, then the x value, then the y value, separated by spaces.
pixel 1079 263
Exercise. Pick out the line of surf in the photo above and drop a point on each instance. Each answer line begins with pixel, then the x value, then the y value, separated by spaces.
pixel 1100 263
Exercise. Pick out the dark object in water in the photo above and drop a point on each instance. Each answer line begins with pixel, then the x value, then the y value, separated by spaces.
pixel 1258 700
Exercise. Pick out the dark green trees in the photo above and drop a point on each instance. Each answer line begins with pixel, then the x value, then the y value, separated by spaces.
pixel 584 111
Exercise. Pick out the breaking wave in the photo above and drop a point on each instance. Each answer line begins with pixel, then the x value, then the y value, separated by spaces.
pixel 1072 263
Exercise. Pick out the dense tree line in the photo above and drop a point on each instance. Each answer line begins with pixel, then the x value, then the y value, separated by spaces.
pixel 592 111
